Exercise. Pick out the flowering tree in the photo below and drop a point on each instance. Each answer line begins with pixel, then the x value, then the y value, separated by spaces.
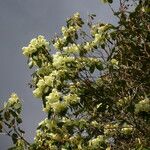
pixel 95 86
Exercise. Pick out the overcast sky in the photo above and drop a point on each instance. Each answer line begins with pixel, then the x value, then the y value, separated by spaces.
pixel 20 21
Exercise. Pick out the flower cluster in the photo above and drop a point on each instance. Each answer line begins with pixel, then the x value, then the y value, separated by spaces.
pixel 96 142
pixel 110 129
pixel 114 62
pixel 71 98
pixel 68 31
pixel 38 92
pixel 72 49
pixel 127 129
pixel 34 45
pixel 13 102
pixel 60 61
pixel 143 105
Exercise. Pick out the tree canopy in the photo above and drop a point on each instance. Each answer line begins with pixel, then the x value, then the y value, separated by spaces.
pixel 94 83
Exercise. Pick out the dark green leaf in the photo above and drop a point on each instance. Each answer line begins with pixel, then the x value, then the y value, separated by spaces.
pixel 21 130
pixel 92 68
pixel 7 115
pixel 14 138
pixel 1 126
pixel 99 66
pixel 110 1
pixel 13 113
pixel 12 122
pixel 19 120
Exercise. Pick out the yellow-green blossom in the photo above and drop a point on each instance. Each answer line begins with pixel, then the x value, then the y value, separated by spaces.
pixel 143 105
pixel 88 46
pixel 35 44
pixel 41 84
pixel 49 80
pixel 114 62
pixel 98 39
pixel 38 93
pixel 96 142
pixel 68 31
pixel 60 61
pixel 71 98
pixel 54 96
pixel 13 99
pixel 72 48
pixel 127 129
pixel 13 102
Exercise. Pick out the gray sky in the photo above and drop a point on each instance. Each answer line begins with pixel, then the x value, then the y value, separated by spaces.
pixel 20 21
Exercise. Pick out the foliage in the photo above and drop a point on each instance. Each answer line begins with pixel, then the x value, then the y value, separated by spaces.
pixel 95 88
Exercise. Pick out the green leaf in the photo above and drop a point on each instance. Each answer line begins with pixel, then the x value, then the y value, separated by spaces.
pixel 110 1
pixel 1 118
pixel 99 66
pixel 1 126
pixel 14 138
pixel 7 115
pixel 7 124
pixel 19 120
pixel 12 122
pixel 13 113
pixel 17 106
pixel 107 1
pixel 92 68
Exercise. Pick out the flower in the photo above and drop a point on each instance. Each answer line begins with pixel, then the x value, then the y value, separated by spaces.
pixel 34 45
pixel 59 61
pixel 143 105
pixel 96 142
pixel 13 99
pixel 54 96
pixel 98 39
pixel 13 102
pixel 41 84
pixel 37 93
pixel 114 62
pixel 71 98
pixel 72 49
pixel 127 129
pixel 49 80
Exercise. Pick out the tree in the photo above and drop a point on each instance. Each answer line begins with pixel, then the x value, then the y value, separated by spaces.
pixel 95 88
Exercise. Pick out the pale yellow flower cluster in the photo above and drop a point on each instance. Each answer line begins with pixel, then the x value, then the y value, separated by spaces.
pixel 34 45
pixel 53 102
pixel 124 101
pixel 96 142
pixel 114 62
pixel 73 48
pixel 100 28
pixel 38 92
pixel 59 61
pixel 110 129
pixel 59 43
pixel 98 31
pixel 68 31
pixel 13 102
pixel 13 99
pixel 51 80
pixel 143 105
pixel 71 98
pixel 127 129
pixel 88 46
